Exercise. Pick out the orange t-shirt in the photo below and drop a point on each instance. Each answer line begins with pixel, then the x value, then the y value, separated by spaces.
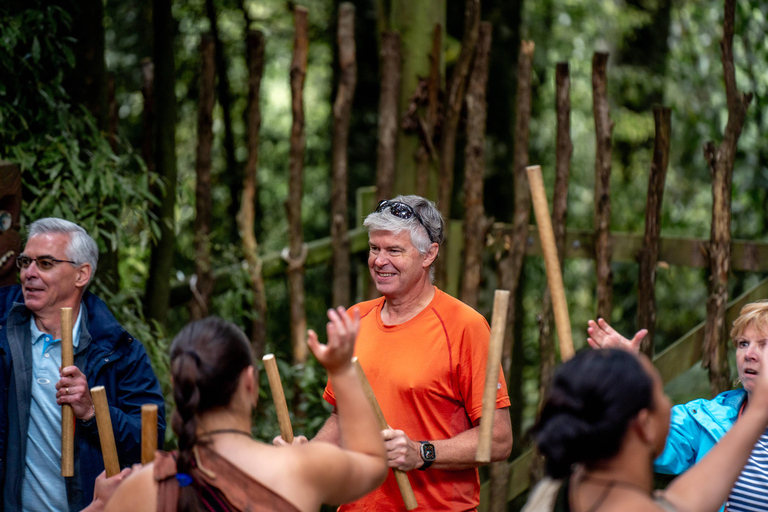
pixel 428 375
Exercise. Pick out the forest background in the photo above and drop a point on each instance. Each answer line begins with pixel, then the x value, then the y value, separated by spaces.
pixel 661 53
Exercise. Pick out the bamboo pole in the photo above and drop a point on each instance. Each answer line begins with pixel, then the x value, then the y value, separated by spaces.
pixel 278 397
pixel 67 413
pixel 402 478
pixel 551 261
pixel 148 432
pixel 106 435
pixel 498 325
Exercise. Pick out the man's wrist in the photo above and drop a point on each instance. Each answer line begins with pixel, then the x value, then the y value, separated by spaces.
pixel 428 454
pixel 89 420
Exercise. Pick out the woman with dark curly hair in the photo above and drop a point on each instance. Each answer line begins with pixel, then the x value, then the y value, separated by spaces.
pixel 219 467
pixel 606 420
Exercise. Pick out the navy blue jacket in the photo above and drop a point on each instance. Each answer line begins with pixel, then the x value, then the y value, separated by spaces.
pixel 109 357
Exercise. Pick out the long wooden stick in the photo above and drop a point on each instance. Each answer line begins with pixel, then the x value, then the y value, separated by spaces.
pixel 551 261
pixel 402 479
pixel 106 435
pixel 278 397
pixel 148 432
pixel 67 414
pixel 498 326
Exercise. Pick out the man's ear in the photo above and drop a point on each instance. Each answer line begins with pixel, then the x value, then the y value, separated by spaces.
pixel 251 377
pixel 431 255
pixel 83 275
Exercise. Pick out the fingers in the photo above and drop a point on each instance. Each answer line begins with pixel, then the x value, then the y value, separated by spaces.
pixel 297 440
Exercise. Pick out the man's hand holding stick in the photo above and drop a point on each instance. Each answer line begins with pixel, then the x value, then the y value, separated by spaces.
pixel 409 498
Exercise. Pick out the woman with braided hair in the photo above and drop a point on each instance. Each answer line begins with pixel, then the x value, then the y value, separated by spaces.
pixel 219 467
pixel 603 424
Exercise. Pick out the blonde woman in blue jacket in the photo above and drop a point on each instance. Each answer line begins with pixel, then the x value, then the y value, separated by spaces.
pixel 695 427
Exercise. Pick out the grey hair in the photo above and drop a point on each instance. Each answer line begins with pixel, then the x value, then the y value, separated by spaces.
pixel 422 236
pixel 81 249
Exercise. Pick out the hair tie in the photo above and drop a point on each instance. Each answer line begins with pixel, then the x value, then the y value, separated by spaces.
pixel 184 479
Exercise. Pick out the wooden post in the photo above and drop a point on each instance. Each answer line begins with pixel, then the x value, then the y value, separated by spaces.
pixel 720 162
pixel 246 217
pixel 297 252
pixel 603 131
pixel 453 105
pixel 551 261
pixel 67 413
pixel 278 398
pixel 106 435
pixel 475 223
pixel 649 254
pixel 402 478
pixel 342 113
pixel 203 285
pixel 498 325
pixel 148 432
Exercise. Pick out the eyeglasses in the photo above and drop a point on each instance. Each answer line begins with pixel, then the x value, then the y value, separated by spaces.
pixel 403 211
pixel 44 263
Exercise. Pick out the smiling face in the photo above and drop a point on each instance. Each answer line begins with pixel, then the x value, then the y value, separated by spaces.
pixel 396 266
pixel 748 347
pixel 45 292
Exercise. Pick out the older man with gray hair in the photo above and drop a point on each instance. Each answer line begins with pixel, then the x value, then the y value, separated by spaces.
pixel 424 353
pixel 56 266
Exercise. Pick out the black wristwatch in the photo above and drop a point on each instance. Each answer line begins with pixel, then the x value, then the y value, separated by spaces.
pixel 427 454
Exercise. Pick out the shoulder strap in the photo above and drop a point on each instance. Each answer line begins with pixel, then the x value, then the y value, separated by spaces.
pixel 167 485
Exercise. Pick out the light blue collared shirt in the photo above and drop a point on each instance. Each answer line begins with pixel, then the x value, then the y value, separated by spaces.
pixel 43 487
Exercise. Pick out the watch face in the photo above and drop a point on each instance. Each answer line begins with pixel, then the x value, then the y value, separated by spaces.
pixel 428 451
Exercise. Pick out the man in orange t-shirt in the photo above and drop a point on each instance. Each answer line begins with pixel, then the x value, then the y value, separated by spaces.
pixel 424 353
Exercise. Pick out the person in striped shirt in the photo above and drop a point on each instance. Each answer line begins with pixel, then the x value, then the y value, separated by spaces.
pixel 698 425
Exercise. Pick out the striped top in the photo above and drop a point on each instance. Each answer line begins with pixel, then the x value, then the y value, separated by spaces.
pixel 750 493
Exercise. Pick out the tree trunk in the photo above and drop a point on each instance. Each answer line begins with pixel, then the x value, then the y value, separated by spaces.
pixel 454 101
pixel 341 116
pixel 475 222
pixel 649 254
pixel 232 176
pixel 426 155
pixel 203 286
pixel 297 248
pixel 512 263
pixel 161 262
pixel 388 115
pixel 246 218
pixel 148 114
pixel 603 130
pixel 414 21
pixel 720 160
pixel 563 152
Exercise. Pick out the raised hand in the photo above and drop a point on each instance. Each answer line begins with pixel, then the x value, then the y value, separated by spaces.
pixel 342 331
pixel 602 335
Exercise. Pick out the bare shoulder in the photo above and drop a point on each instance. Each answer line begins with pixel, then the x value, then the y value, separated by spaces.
pixel 137 494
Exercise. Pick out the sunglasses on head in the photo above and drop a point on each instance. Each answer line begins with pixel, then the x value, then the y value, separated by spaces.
pixel 43 263
pixel 403 211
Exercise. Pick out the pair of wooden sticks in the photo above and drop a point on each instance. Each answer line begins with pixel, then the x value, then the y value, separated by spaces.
pixel 103 419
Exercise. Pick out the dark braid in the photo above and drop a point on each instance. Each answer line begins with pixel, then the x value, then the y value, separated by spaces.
pixel 207 357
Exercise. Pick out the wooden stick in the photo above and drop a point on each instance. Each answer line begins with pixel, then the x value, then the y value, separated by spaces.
pixel 498 325
pixel 148 432
pixel 278 397
pixel 67 413
pixel 551 261
pixel 402 479
pixel 106 435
